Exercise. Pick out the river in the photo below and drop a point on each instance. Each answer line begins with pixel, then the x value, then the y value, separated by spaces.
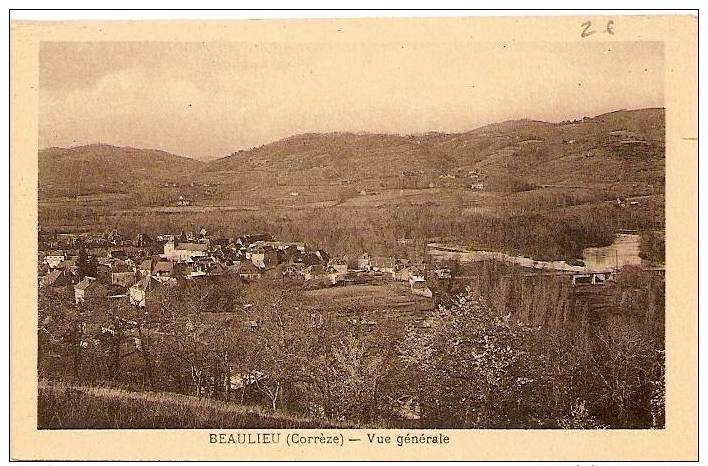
pixel 622 252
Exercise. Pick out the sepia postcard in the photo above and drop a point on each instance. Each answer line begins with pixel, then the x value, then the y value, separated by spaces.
pixel 424 238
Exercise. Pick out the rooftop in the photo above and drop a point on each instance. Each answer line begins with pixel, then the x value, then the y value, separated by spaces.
pixel 192 247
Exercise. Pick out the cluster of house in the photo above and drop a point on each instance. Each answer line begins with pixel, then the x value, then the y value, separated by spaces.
pixel 62 241
pixel 114 267
pixel 474 179
pixel 622 202
pixel 403 270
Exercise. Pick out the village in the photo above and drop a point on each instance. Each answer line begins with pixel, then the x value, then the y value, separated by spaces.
pixel 112 266
pixel 311 234
pixel 130 320
pixel 99 274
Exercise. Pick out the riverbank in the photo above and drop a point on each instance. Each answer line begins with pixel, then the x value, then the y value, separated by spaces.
pixel 624 251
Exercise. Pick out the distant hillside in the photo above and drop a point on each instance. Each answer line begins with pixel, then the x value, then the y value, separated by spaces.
pixel 330 157
pixel 623 146
pixel 620 147
pixel 623 150
pixel 206 159
pixel 100 168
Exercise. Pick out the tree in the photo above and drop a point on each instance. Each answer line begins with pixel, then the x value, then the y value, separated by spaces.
pixel 281 339
pixel 87 265
pixel 628 373
pixel 189 337
pixel 474 368
pixel 357 371
pixel 62 332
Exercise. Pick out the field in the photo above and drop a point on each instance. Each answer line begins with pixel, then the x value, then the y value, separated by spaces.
pixel 375 303
pixel 530 223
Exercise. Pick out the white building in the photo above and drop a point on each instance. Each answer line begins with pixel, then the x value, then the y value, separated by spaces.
pixel 138 292
pixel 54 258
pixel 182 252
pixel 421 289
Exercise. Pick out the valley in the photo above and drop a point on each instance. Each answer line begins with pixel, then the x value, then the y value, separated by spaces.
pixel 595 175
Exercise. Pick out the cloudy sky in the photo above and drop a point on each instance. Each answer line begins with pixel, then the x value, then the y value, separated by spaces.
pixel 211 99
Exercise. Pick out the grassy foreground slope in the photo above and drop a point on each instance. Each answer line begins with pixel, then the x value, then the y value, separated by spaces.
pixel 66 406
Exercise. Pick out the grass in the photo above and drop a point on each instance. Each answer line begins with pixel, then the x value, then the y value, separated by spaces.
pixel 63 405
pixel 378 291
pixel 392 295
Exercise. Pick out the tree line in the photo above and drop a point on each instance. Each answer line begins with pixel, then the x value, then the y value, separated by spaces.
pixel 503 353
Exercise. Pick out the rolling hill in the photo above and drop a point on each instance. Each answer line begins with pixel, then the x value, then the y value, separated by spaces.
pixel 618 147
pixel 102 168
pixel 622 150
pixel 623 147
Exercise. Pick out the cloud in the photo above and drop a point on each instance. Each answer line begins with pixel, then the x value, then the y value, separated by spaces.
pixel 202 99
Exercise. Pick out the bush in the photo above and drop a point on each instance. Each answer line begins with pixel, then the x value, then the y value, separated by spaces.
pixel 652 247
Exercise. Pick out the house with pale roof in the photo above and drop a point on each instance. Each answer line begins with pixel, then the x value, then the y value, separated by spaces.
pixel 183 252
pixel 338 265
pixel 263 258
pixel 162 271
pixel 138 292
pixel 89 288
pixel 421 289
pixel 315 271
pixel 410 274
pixel 383 264
pixel 54 258
pixel 248 271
